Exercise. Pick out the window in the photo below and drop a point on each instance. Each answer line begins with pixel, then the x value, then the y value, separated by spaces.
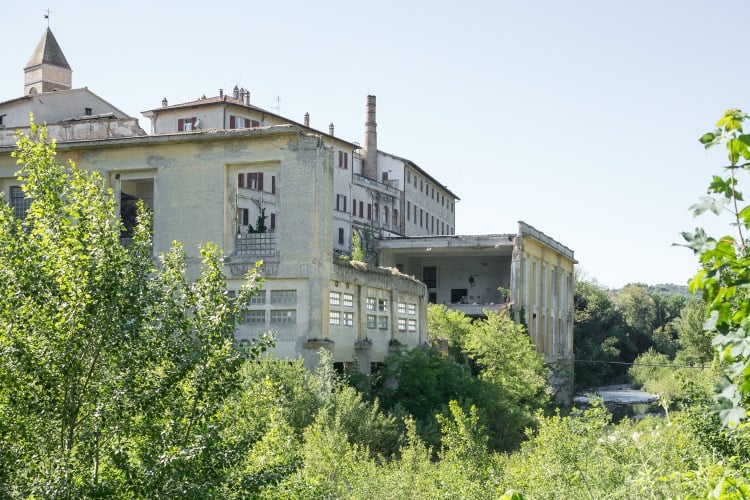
pixel 348 319
pixel 255 181
pixel 429 276
pixel 408 177
pixel 382 305
pixel 412 325
pixel 402 307
pixel 283 296
pixel 343 160
pixel 88 111
pixel 395 216
pixel 369 211
pixel 370 303
pixel 241 180
pixel 384 177
pixel 273 221
pixel 284 317
pixel 245 216
pixel 334 317
pixel 341 236
pixel 421 217
pixel 334 298
pixel 185 124
pixel 433 224
pixel 408 210
pixel 375 210
pixel 19 202
pixel 421 186
pixel 354 207
pixel 372 321
pixel 386 215
pixel 341 203
pixel 459 295
pixel 238 122
pixel 415 214
pixel 382 322
pixel 361 205
pixel 412 309
pixel 401 324
pixel 254 123
pixel 255 317
pixel 348 300
pixel 415 181
pixel 259 299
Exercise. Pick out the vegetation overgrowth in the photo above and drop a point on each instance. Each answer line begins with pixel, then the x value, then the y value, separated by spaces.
pixel 120 379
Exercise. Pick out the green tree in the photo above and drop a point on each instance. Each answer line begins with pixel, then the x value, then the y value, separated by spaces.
pixel 357 253
pixel 694 341
pixel 638 310
pixel 114 372
pixel 724 279
pixel 597 336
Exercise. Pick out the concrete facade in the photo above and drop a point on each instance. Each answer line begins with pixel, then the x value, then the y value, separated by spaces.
pixel 265 187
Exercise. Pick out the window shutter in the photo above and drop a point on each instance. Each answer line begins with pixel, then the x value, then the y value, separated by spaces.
pixel 232 121
pixel 273 184
pixel 180 125
pixel 273 221
pixel 344 204
pixel 260 181
pixel 341 236
pixel 341 158
pixel 369 211
pixel 361 204
pixel 354 206
pixel 245 216
pixel 346 160
pixel 192 122
pixel 337 201
pixel 255 123
pixel 241 180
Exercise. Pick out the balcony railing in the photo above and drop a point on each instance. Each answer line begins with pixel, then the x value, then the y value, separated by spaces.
pixel 255 245
pixel 378 186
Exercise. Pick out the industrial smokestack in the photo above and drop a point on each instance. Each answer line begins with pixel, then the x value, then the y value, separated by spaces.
pixel 371 141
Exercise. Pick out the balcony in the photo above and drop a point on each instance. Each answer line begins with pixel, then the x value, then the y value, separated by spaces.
pixel 255 245
pixel 361 180
pixel 476 310
pixel 249 248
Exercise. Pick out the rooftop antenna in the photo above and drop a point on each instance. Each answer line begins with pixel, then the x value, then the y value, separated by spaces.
pixel 278 105
pixel 46 16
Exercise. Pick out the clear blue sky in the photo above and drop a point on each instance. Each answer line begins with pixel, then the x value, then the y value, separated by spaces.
pixel 579 117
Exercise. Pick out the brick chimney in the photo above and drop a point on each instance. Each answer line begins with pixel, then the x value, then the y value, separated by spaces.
pixel 371 141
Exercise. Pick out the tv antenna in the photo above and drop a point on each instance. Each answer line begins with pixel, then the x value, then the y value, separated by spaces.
pixel 278 105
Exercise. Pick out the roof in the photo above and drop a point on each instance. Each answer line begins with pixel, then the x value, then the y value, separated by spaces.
pixel 84 90
pixel 422 172
pixel 226 99
pixel 48 51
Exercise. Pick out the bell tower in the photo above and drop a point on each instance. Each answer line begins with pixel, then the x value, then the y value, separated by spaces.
pixel 47 69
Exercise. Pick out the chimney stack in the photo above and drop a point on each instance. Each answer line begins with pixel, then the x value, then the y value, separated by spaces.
pixel 371 141
pixel 247 98
pixel 236 92
pixel 307 119
pixel 221 93
pixel 164 103
pixel 330 129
